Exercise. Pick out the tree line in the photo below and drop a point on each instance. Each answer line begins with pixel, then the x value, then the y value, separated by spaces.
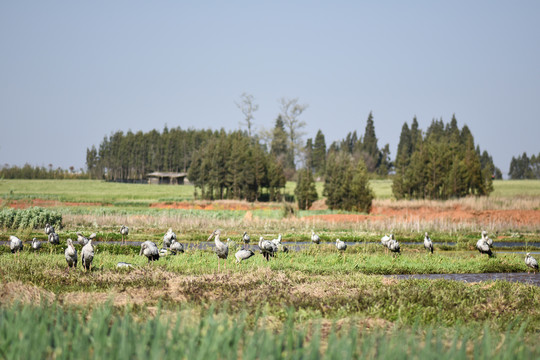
pixel 131 156
pixel 28 171
pixel 524 167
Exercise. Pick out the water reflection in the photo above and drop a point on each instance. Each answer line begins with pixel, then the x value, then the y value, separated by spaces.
pixel 531 278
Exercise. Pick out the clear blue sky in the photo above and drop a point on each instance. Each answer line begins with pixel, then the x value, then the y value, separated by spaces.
pixel 72 72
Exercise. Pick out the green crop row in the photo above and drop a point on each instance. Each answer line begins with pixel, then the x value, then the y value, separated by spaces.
pixel 47 332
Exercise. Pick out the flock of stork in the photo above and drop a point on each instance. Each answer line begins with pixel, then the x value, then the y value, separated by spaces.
pixel 268 248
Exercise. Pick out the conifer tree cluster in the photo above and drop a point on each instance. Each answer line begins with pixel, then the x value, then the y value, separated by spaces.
pixel 305 192
pixel 233 166
pixel 131 156
pixel 346 184
pixel 440 165
pixel 377 160
pixel 524 167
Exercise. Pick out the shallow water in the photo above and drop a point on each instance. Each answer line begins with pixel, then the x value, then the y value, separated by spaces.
pixel 299 245
pixel 531 278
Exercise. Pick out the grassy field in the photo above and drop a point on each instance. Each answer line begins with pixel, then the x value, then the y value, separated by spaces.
pixel 314 303
pixel 117 193
pixel 93 191
pixel 312 300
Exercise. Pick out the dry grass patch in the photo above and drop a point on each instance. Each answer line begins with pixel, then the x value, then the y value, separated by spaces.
pixel 24 293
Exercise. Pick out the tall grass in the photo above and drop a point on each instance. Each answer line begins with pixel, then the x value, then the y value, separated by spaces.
pixel 262 222
pixel 39 332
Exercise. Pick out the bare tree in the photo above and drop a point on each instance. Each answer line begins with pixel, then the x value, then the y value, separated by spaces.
pixel 247 107
pixel 290 112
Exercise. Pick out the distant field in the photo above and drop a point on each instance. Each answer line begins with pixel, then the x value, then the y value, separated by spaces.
pixel 92 191
pixel 510 188
pixel 108 192
pixel 131 194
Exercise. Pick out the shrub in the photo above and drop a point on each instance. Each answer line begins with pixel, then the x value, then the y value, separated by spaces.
pixel 33 218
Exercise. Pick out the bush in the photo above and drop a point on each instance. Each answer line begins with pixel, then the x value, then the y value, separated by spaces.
pixel 305 191
pixel 33 218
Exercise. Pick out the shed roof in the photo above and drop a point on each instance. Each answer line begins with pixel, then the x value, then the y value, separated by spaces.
pixel 167 174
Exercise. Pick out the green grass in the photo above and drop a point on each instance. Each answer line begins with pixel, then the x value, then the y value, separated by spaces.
pixel 314 260
pixel 261 287
pixel 143 194
pixel 512 188
pixel 56 332
pixel 93 191
pixel 133 195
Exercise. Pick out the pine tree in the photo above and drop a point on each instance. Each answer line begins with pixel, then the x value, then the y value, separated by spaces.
pixel 361 193
pixel 276 178
pixel 308 152
pixel 305 190
pixel 369 145
pixel 235 164
pixel 334 190
pixel 403 158
pixel 416 135
pixel 319 154
pixel 370 139
pixel 278 146
pixel 346 184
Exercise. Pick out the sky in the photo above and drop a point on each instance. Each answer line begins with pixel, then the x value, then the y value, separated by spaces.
pixel 73 72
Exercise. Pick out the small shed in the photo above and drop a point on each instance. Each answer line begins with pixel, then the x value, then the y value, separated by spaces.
pixel 171 178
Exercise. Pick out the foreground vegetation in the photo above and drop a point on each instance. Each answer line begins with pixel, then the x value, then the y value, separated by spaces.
pixel 321 284
pixel 307 304
pixel 299 305
pixel 58 332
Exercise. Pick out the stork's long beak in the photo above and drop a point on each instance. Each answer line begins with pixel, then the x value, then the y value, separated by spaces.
pixel 140 252
pixel 211 236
